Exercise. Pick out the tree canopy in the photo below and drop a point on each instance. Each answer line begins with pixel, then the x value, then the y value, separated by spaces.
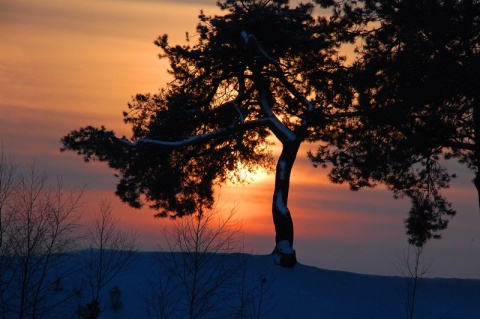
pixel 264 69
pixel 259 70
pixel 417 84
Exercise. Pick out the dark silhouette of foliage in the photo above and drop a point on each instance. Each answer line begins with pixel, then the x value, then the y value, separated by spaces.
pixel 261 69
pixel 417 84
pixel 264 69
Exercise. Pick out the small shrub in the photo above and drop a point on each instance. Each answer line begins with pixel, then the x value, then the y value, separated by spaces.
pixel 90 311
pixel 115 299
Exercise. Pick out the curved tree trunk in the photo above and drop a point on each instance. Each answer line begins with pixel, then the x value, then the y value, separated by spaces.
pixel 281 214
pixel 476 182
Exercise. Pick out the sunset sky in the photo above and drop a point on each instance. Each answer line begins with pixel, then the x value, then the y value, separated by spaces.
pixel 67 64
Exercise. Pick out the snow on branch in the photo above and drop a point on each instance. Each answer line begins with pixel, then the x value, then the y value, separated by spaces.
pixel 280 130
pixel 289 86
pixel 197 139
pixel 251 38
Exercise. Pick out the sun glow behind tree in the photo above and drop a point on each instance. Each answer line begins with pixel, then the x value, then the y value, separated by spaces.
pixel 96 69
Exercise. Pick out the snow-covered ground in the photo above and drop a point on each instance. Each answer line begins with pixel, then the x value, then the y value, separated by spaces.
pixel 243 286
pixel 302 292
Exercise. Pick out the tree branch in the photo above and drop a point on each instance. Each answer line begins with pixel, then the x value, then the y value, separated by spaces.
pixel 280 130
pixel 459 145
pixel 289 86
pixel 201 137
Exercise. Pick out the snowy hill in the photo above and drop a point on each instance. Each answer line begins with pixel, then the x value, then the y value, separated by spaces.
pixel 300 292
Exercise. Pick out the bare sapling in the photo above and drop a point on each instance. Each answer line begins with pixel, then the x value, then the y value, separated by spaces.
pixel 7 186
pixel 111 252
pixel 413 269
pixel 198 262
pixel 42 231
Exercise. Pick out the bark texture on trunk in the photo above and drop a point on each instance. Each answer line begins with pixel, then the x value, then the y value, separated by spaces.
pixel 476 182
pixel 281 214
